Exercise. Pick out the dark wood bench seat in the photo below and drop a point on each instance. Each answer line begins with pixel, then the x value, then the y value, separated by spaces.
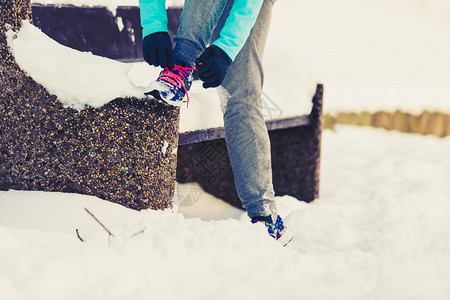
pixel 295 147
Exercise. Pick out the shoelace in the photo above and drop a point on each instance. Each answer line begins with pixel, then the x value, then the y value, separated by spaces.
pixel 177 78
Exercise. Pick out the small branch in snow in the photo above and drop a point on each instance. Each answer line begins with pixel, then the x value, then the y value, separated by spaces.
pixel 139 232
pixel 101 224
pixel 110 234
pixel 78 235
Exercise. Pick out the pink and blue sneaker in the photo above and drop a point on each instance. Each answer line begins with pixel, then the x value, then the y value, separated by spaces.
pixel 276 229
pixel 172 86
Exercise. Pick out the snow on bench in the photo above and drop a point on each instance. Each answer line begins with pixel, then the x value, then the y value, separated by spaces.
pixel 295 148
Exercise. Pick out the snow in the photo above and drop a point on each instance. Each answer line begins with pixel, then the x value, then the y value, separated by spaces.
pixel 371 55
pixel 77 78
pixel 164 147
pixel 380 230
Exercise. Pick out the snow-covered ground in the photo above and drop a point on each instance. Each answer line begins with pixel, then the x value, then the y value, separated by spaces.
pixel 380 230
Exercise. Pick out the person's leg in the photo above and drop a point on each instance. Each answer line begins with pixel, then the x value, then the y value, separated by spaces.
pixel 198 20
pixel 245 129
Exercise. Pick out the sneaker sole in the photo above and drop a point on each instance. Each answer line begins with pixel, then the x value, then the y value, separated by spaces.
pixel 157 95
pixel 286 238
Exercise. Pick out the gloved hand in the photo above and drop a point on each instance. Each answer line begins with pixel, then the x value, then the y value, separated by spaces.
pixel 212 66
pixel 157 50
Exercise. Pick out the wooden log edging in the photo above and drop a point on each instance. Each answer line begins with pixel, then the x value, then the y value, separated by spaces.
pixel 427 122
pixel 113 152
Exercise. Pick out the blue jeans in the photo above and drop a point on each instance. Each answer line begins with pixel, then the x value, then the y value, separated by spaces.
pixel 246 134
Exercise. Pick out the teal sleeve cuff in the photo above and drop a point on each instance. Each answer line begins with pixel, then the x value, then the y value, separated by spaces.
pixel 238 26
pixel 153 16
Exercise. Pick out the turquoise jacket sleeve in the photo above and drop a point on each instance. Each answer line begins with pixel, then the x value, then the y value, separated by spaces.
pixel 238 25
pixel 233 35
pixel 153 16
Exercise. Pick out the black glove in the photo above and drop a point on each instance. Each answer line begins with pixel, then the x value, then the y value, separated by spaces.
pixel 157 50
pixel 212 66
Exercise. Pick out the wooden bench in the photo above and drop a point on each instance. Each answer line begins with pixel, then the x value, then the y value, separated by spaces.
pixel 202 154
pixel 295 148
pixel 96 29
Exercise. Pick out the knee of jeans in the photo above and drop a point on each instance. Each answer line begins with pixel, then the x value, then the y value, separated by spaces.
pixel 242 99
pixel 237 110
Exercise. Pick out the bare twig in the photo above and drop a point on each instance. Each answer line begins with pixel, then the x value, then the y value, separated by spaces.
pixel 78 235
pixel 139 232
pixel 101 224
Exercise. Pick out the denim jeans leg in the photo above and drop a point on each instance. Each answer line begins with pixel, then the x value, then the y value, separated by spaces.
pixel 198 21
pixel 245 129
